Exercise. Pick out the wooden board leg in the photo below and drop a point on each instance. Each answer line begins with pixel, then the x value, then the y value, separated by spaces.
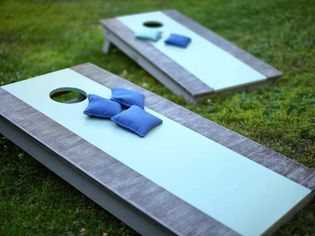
pixel 106 46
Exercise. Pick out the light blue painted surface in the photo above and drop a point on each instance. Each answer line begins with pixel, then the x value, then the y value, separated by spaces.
pixel 214 66
pixel 234 190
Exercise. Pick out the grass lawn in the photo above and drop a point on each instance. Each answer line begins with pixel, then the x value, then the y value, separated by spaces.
pixel 37 37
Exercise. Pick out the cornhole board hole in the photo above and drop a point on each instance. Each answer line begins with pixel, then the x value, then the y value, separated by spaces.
pixel 208 65
pixel 188 176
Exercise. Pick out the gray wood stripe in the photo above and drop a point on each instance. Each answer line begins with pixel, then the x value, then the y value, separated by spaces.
pixel 175 214
pixel 234 141
pixel 219 41
pixel 180 75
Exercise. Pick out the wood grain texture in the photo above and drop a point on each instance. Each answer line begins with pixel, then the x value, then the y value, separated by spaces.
pixel 234 141
pixel 145 196
pixel 224 44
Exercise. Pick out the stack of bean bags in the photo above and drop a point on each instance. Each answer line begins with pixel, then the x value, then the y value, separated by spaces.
pixel 125 108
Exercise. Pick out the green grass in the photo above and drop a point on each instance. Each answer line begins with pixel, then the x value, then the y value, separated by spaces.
pixel 67 96
pixel 37 37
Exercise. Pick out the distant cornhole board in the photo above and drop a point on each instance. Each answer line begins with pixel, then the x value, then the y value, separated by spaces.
pixel 208 65
pixel 189 176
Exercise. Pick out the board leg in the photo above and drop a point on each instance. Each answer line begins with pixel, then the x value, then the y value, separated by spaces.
pixel 106 46
pixel 107 43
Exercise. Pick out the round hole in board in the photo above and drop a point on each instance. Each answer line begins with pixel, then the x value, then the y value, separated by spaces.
pixel 68 95
pixel 152 24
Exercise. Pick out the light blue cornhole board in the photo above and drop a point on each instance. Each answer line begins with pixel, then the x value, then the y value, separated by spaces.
pixel 209 59
pixel 208 62
pixel 234 190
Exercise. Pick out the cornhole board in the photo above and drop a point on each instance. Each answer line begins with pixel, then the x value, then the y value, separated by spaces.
pixel 188 176
pixel 210 64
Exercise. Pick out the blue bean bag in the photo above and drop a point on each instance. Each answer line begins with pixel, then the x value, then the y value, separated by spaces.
pixel 149 34
pixel 136 120
pixel 127 97
pixel 101 107
pixel 178 40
